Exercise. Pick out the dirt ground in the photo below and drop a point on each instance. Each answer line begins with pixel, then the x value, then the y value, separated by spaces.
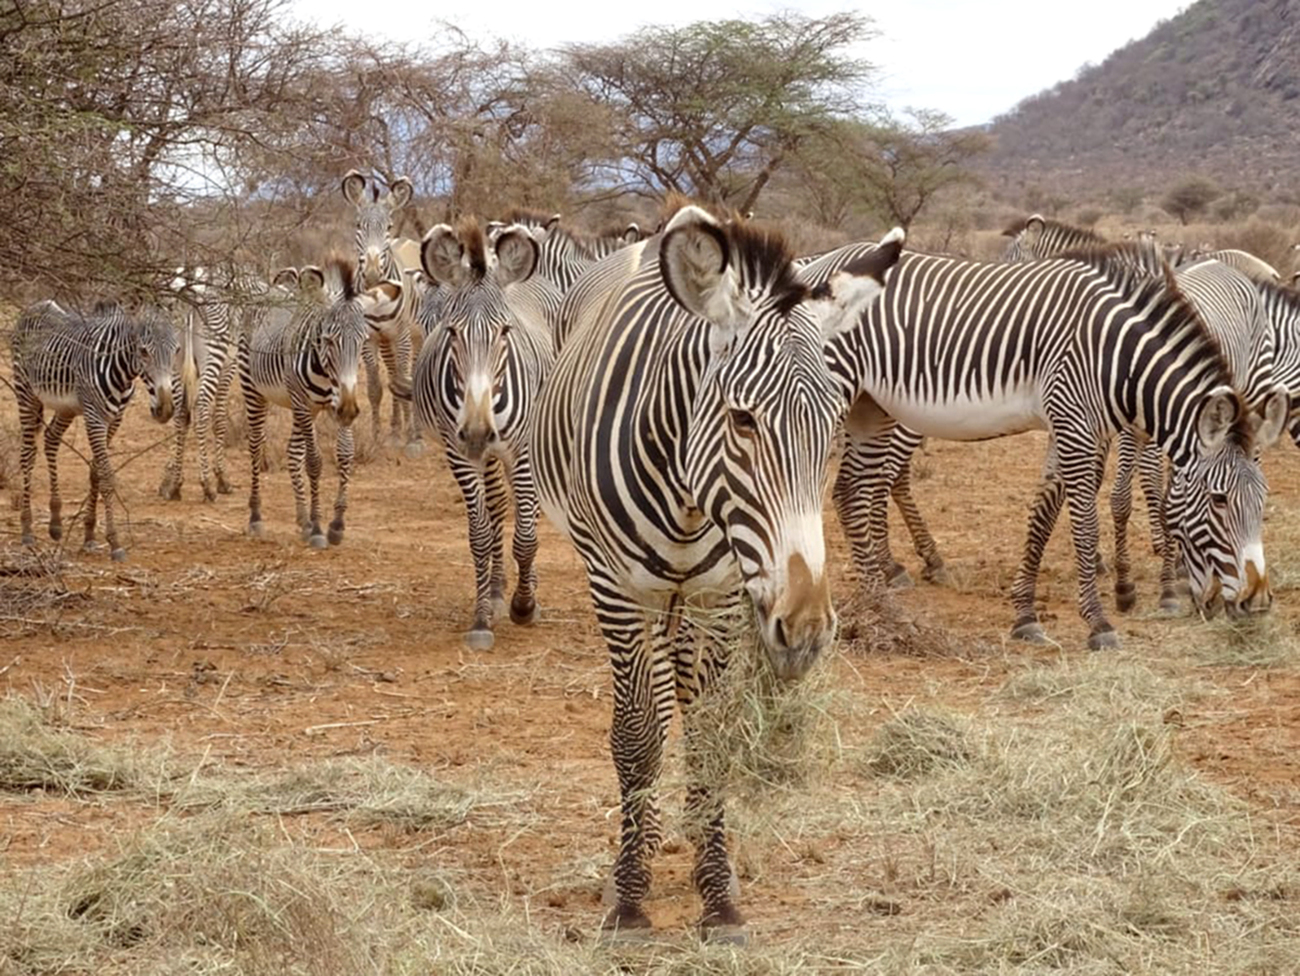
pixel 253 654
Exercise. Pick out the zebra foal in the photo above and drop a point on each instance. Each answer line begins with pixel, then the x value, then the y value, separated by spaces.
pixel 302 353
pixel 682 444
pixel 86 365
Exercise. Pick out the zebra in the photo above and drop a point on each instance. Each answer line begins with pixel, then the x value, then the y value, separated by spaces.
pixel 303 354
pixel 202 392
pixel 1256 269
pixel 391 333
pixel 487 352
pixel 682 446
pixel 1081 345
pixel 1036 236
pixel 565 254
pixel 86 364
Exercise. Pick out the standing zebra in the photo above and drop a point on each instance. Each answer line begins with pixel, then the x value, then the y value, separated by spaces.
pixel 303 355
pixel 1083 346
pixel 390 334
pixel 86 364
pixel 476 382
pixel 1036 237
pixel 202 391
pixel 682 445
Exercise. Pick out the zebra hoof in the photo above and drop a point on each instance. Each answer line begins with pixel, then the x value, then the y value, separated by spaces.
pixel 118 555
pixel 937 574
pixel 318 541
pixel 209 495
pixel 305 532
pixel 1125 597
pixel 724 927
pixel 899 578
pixel 29 539
pixel 170 490
pixel 1102 568
pixel 336 535
pixel 1103 640
pixel 257 530
pixel 1031 632
pixel 56 531
pixel 89 546
pixel 413 450
pixel 626 926
pixel 1170 604
pixel 480 640
pixel 224 487
pixel 524 611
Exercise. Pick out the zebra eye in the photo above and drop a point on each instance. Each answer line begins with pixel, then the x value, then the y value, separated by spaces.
pixel 1219 500
pixel 743 421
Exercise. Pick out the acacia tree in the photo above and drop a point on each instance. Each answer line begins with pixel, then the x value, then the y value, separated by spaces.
pixel 1189 198
pixel 715 108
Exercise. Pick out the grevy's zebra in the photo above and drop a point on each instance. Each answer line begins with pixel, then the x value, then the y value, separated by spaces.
pixel 682 444
pixel 201 393
pixel 564 255
pixel 1037 237
pixel 86 364
pixel 391 332
pixel 1082 346
pixel 302 353
pixel 486 354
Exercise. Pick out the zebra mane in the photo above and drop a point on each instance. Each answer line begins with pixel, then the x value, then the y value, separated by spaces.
pixel 765 261
pixel 527 216
pixel 340 272
pixel 470 235
pixel 1017 227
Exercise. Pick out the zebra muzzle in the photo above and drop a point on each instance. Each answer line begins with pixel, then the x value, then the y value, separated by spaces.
pixel 162 407
pixel 347 410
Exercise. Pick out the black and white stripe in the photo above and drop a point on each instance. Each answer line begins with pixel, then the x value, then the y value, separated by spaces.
pixel 682 444
pixel 86 365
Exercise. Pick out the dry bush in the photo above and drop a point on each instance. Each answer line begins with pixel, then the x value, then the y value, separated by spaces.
pixel 1266 241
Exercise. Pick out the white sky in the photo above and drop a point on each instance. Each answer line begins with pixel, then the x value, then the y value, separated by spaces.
pixel 970 59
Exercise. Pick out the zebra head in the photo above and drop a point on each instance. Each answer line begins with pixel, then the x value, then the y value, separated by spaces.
pixel 336 310
pixel 157 360
pixel 1215 507
pixel 766 409
pixel 374 231
pixel 476 324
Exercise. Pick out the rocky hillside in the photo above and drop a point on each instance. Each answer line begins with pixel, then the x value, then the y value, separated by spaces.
pixel 1213 91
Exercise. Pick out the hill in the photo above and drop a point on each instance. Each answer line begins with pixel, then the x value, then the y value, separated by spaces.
pixel 1214 91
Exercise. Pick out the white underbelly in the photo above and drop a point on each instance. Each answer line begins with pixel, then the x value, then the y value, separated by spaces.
pixel 963 418
pixel 66 404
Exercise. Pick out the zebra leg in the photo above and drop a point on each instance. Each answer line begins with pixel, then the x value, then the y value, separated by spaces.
pixel 255 411
pixel 1151 474
pixel 202 426
pixel 1042 518
pixel 523 605
pixel 857 487
pixel 29 419
pixel 305 428
pixel 374 389
pixel 59 423
pixel 922 541
pixel 173 474
pixel 1170 559
pixel 497 498
pixel 391 359
pixel 699 661
pixel 221 423
pixel 643 702
pixel 404 356
pixel 1081 486
pixel 1100 478
pixel 345 451
pixel 1121 508
pixel 472 489
pixel 102 484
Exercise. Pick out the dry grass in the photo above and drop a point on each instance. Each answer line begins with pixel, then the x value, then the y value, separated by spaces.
pixel 872 621
pixel 35 755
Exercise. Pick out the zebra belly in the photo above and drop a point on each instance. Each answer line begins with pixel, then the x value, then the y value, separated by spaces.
pixel 65 403
pixel 966 418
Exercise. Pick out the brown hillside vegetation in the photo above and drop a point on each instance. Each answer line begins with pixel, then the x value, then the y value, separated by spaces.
pixel 1212 91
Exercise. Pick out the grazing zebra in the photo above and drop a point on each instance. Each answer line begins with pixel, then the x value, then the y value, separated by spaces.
pixel 202 392
pixel 86 364
pixel 1256 269
pixel 303 355
pixel 1083 346
pixel 391 332
pixel 682 445
pixel 476 381
pixel 565 254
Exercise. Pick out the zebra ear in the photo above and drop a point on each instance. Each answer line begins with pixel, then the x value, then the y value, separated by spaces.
pixel 399 194
pixel 286 278
pixel 1271 418
pixel 354 185
pixel 840 301
pixel 695 262
pixel 547 229
pixel 440 255
pixel 517 253
pixel 1221 409
pixel 632 234
pixel 311 282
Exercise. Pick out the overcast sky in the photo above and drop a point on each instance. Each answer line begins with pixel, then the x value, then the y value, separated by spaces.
pixel 970 59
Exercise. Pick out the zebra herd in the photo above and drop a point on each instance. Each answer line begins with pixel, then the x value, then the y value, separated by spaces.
pixel 674 403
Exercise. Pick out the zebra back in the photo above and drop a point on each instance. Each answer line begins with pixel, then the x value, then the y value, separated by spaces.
pixel 1036 237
